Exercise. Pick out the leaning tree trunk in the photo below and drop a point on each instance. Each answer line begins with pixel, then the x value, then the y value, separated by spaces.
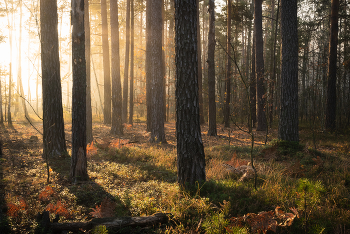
pixel 288 128
pixel 117 123
pixel 212 131
pixel 78 170
pixel 190 151
pixel 53 125
pixel 332 69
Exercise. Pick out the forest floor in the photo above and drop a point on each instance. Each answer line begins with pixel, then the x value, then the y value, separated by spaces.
pixel 298 188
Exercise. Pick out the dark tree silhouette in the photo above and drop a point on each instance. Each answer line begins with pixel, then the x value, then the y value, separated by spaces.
pixel 212 131
pixel 154 70
pixel 331 106
pixel 106 65
pixel 288 128
pixel 53 124
pixel 190 151
pixel 117 124
pixel 78 170
pixel 259 65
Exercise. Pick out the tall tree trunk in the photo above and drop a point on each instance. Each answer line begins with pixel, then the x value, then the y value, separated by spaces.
pixel 106 65
pixel 9 118
pixel 288 128
pixel 332 69
pixel 53 125
pixel 259 65
pixel 147 66
pixel 89 136
pixel 252 87
pixel 200 78
pixel 190 151
pixel 132 39
pixel 212 131
pixel 78 170
pixel 126 64
pixel 117 123
pixel 154 70
pixel 228 68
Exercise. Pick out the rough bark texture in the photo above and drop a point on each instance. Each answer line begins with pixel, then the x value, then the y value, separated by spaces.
pixel 78 169
pixel 132 40
pixel 89 136
pixel 332 69
pixel 154 71
pixel 228 68
pixel 190 151
pixel 53 125
pixel 106 65
pixel 212 131
pixel 288 128
pixel 126 65
pixel 117 106
pixel 259 65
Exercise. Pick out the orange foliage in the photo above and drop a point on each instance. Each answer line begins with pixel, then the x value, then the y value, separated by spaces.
pixel 13 209
pixel 265 220
pixel 236 162
pixel 46 193
pixel 91 149
pixel 127 126
pixel 105 210
pixel 118 143
pixel 59 209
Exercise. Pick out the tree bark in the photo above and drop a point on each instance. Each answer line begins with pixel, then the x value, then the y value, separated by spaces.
pixel 117 105
pixel 190 151
pixel 154 71
pixel 106 65
pixel 212 131
pixel 332 69
pixel 200 77
pixel 132 40
pixel 53 125
pixel 288 129
pixel 228 68
pixel 78 170
pixel 259 66
pixel 89 136
pixel 126 64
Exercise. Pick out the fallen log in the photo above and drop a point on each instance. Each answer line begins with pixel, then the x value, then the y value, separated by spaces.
pixel 114 223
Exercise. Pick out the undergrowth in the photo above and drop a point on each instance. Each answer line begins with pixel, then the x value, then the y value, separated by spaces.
pixel 309 186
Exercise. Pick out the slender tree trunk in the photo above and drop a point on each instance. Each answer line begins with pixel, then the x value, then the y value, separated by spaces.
pixel 252 87
pixel 332 69
pixel 9 119
pixel 117 123
pixel 190 151
pixel 126 64
pixel 259 65
pixel 212 131
pixel 288 128
pixel 78 171
pixel 132 39
pixel 89 136
pixel 106 65
pixel 200 78
pixel 228 68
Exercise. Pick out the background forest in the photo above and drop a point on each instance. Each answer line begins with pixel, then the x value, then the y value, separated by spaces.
pixel 243 128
